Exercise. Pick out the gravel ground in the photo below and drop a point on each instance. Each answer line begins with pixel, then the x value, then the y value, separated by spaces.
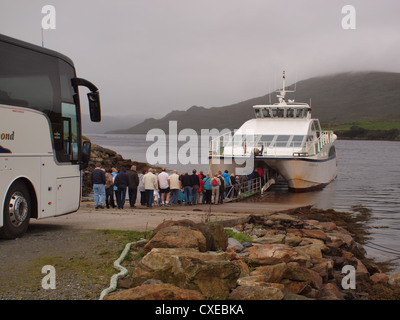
pixel 82 260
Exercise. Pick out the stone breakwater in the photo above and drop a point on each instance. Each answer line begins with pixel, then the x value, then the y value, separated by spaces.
pixel 296 255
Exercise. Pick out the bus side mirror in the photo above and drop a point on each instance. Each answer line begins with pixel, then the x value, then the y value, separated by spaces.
pixel 93 97
pixel 86 150
pixel 94 106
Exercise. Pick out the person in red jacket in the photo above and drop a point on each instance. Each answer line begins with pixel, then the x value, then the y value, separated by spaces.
pixel 201 192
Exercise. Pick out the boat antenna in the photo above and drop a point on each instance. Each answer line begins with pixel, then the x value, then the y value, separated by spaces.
pixel 269 94
pixel 283 91
pixel 42 39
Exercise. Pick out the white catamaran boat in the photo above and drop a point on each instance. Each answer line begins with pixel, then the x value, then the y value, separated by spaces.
pixel 283 140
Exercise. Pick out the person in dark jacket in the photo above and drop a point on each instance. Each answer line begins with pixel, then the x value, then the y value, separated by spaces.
pixel 195 187
pixel 133 185
pixel 98 179
pixel 122 182
pixel 187 185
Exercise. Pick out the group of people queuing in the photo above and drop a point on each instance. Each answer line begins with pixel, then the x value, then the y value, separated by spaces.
pixel 161 188
pixel 111 186
pixel 183 189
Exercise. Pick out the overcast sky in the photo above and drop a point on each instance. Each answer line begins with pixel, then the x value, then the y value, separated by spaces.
pixel 149 57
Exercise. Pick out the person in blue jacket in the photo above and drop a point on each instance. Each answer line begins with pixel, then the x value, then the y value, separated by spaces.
pixel 208 188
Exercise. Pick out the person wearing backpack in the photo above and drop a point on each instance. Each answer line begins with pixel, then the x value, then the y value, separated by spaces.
pixel 207 188
pixel 109 186
pixel 215 183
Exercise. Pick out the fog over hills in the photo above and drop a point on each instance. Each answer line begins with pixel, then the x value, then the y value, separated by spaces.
pixel 337 98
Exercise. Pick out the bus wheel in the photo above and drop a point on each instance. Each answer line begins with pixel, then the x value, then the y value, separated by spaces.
pixel 16 212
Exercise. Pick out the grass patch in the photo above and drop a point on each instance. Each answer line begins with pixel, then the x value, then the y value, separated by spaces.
pixel 238 236
pixel 369 125
pixel 367 130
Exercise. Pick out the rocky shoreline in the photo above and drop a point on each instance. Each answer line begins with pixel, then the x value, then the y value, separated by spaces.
pixel 298 254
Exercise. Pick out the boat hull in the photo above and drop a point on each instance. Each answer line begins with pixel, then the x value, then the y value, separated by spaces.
pixel 301 174
pixel 305 174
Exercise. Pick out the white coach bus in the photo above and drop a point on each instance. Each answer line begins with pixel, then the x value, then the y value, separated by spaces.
pixel 41 149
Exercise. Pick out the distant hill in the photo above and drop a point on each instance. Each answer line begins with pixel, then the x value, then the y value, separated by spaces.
pixel 338 98
pixel 108 123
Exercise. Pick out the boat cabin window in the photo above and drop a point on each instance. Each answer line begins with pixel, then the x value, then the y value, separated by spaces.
pixel 265 113
pixel 267 138
pixel 281 112
pixel 278 112
pixel 282 141
pixel 298 141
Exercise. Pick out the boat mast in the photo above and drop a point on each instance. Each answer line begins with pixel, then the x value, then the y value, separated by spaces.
pixel 282 93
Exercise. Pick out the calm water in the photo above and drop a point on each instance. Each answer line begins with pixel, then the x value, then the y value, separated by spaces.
pixel 368 176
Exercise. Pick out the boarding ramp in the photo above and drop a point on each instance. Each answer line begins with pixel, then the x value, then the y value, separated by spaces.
pixel 247 188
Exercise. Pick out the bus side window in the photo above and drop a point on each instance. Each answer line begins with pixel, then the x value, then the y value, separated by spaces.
pixel 69 114
pixel 71 136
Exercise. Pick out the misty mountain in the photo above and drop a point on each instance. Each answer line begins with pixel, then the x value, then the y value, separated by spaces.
pixel 338 98
pixel 108 123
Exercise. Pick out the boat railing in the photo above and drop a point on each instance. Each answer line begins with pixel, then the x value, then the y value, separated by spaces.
pixel 244 189
pixel 228 146
pixel 218 145
pixel 314 147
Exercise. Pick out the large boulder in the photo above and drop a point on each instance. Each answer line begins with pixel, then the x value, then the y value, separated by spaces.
pixel 214 233
pixel 256 293
pixel 216 238
pixel 312 250
pixel 267 254
pixel 330 292
pixel 176 236
pixel 170 223
pixel 210 274
pixel 308 233
pixel 271 273
pixel 163 291
pixel 296 272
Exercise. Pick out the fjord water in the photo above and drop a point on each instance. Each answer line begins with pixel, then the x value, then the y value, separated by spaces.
pixel 368 177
